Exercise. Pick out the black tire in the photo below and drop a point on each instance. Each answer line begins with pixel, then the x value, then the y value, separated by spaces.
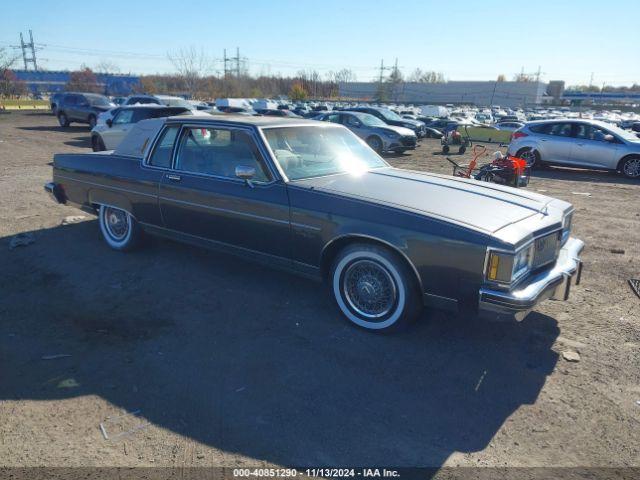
pixel 531 156
pixel 63 120
pixel 630 167
pixel 445 149
pixel 462 149
pixel 54 110
pixel 119 229
pixel 92 121
pixel 374 288
pixel 97 144
pixel 376 144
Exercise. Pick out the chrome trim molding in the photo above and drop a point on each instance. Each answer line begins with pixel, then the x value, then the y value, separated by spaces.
pixel 225 210
pixel 101 185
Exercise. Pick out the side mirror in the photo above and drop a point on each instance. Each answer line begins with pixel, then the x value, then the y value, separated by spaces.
pixel 109 122
pixel 245 173
pixel 609 138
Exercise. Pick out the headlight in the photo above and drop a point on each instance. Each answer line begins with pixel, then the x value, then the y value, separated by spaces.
pixel 506 267
pixel 566 227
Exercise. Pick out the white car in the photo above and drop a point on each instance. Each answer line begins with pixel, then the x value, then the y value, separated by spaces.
pixel 108 135
pixel 509 126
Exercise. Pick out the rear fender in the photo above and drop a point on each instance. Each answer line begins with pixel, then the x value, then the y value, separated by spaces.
pixel 111 199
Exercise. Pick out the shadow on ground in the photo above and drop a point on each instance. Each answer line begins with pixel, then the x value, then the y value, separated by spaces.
pixel 53 128
pixel 582 175
pixel 255 361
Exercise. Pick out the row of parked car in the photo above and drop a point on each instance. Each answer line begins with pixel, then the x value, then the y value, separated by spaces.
pixel 571 142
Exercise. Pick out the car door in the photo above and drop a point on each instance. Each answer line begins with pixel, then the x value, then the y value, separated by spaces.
pixel 80 108
pixel 591 149
pixel 202 197
pixel 556 142
pixel 120 126
pixel 70 105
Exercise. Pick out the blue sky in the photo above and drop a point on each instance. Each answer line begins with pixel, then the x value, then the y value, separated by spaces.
pixel 465 40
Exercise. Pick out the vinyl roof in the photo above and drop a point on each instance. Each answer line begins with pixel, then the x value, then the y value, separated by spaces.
pixel 258 121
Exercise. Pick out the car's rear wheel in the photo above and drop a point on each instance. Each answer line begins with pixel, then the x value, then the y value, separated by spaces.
pixel 630 167
pixel 92 121
pixel 97 144
pixel 374 289
pixel 63 120
pixel 529 155
pixel 375 143
pixel 119 229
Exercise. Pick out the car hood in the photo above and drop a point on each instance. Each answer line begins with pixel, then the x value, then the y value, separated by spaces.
pixel 405 132
pixel 408 121
pixel 481 206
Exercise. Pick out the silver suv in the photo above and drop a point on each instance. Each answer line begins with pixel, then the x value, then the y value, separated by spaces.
pixel 580 143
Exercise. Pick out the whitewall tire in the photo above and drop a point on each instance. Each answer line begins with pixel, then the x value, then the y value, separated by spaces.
pixel 119 229
pixel 374 289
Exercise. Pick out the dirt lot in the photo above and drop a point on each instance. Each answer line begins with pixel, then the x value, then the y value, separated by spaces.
pixel 235 364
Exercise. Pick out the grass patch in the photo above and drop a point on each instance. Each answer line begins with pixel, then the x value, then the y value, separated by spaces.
pixel 18 104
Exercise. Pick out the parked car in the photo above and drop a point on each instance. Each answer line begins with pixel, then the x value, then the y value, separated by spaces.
pixel 109 135
pixel 380 136
pixel 509 126
pixel 276 112
pixel 81 108
pixel 392 118
pixel 579 143
pixel 313 198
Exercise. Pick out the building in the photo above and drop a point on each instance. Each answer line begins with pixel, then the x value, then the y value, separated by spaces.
pixel 44 81
pixel 508 94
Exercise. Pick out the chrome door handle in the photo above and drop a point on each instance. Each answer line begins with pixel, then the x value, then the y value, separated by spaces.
pixel 172 177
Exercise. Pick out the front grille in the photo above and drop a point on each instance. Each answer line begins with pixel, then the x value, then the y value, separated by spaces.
pixel 408 141
pixel 545 249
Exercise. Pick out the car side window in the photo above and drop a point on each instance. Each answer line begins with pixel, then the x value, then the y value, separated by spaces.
pixel 333 118
pixel 352 121
pixel 561 129
pixel 218 151
pixel 124 116
pixel 161 155
pixel 70 100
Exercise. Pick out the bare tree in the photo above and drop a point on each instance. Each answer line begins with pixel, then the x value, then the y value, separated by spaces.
pixel 105 66
pixel 190 64
pixel 420 76
pixel 6 59
pixel 342 76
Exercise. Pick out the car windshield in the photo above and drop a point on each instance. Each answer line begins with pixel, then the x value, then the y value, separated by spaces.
pixel 176 102
pixel 306 152
pixel 97 100
pixel 371 121
pixel 390 115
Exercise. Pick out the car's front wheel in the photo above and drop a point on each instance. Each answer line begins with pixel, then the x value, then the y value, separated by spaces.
pixel 374 289
pixel 630 167
pixel 119 229
pixel 97 144
pixel 376 144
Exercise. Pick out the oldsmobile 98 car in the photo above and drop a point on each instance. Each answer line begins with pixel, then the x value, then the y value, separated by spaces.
pixel 313 198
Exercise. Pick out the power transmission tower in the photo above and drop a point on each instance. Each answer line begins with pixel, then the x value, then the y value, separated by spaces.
pixel 26 47
pixel 237 59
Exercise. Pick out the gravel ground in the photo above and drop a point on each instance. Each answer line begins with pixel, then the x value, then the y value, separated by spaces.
pixel 233 364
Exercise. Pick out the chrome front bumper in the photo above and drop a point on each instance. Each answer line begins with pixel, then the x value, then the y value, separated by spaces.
pixel 55 192
pixel 554 283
